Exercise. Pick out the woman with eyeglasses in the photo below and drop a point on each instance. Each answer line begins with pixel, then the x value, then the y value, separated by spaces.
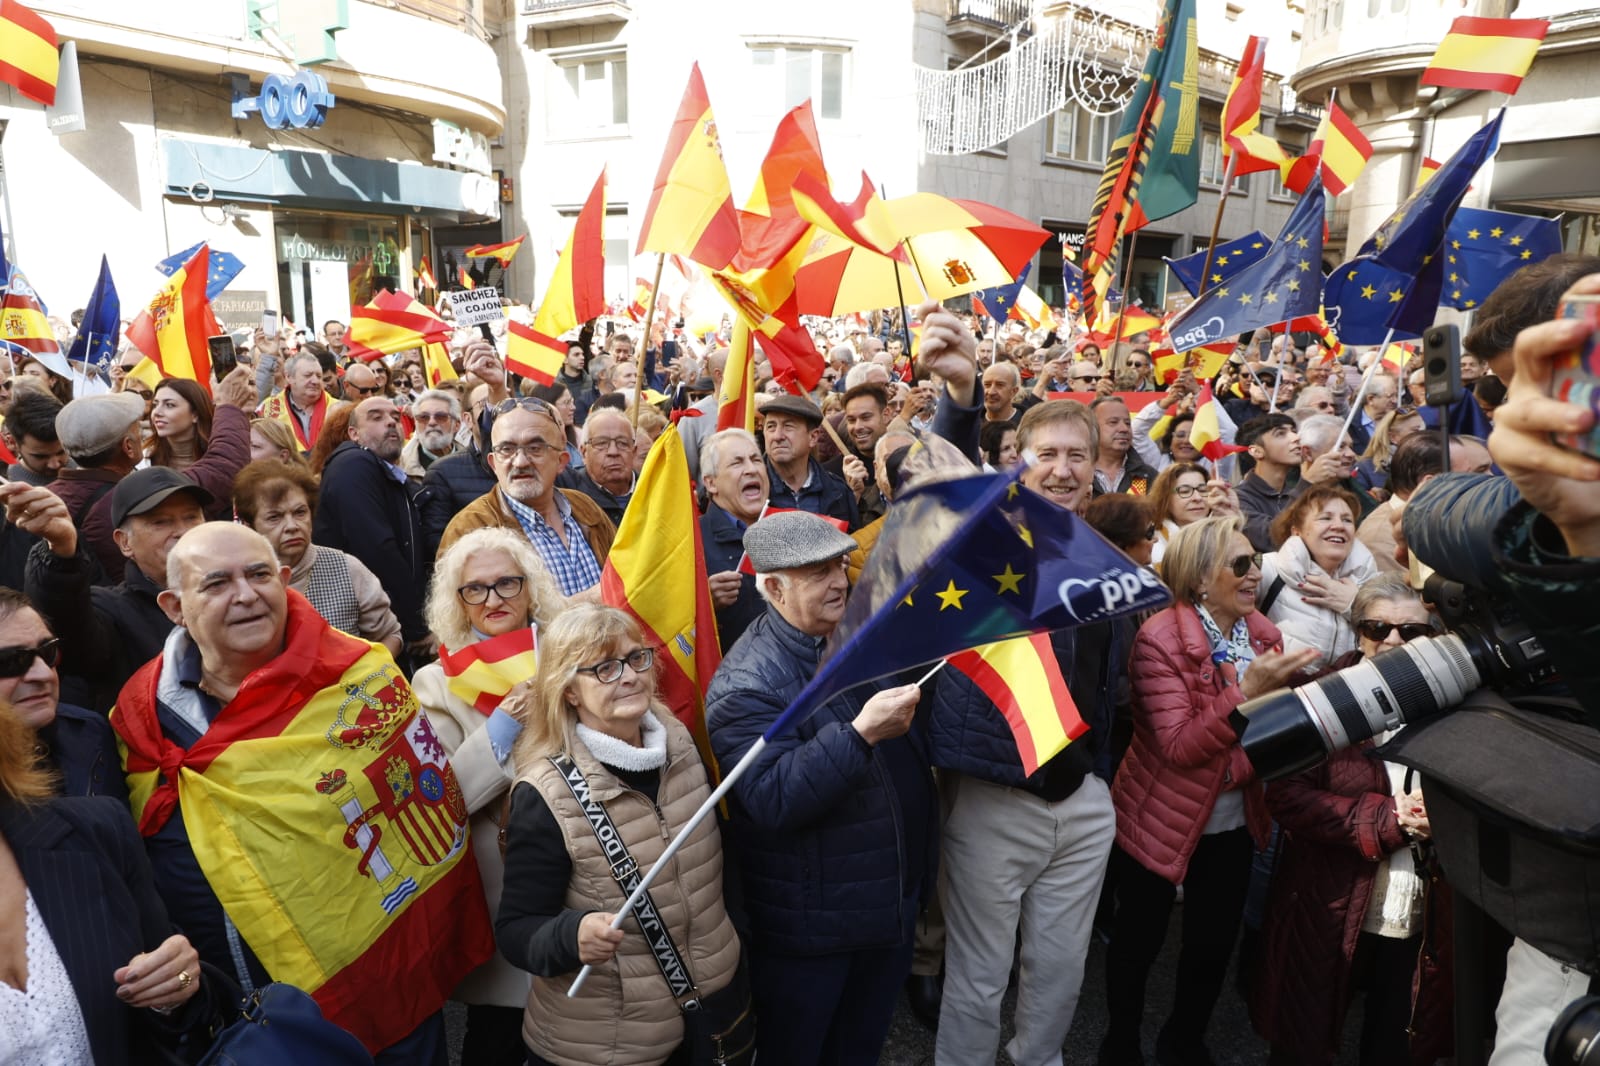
pixel 489 594
pixel 597 734
pixel 1356 898
pixel 1189 810
pixel 1309 583
pixel 1183 494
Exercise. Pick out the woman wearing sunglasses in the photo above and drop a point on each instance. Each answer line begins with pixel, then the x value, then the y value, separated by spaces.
pixel 1189 810
pixel 1310 582
pixel 597 730
pixel 1355 896
pixel 489 594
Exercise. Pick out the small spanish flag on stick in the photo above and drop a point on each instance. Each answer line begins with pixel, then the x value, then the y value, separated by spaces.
pixel 501 253
pixel 481 673
pixel 533 355
pixel 1023 679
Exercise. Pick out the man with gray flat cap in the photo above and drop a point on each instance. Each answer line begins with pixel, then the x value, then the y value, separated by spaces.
pixel 798 481
pixel 834 825
pixel 107 632
pixel 101 434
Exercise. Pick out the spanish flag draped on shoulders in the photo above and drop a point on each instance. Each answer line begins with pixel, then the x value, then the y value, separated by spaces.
pixel 277 407
pixel 324 815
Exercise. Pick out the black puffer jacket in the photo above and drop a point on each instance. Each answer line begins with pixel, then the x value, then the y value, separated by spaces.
pixel 451 484
pixel 365 511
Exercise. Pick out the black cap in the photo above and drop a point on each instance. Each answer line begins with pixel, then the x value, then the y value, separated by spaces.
pixel 143 490
pixel 790 404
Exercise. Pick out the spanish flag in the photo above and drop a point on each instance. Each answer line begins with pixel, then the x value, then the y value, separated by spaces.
pixel 393 322
pixel 641 299
pixel 436 358
pixel 1032 311
pixel 736 403
pixel 325 816
pixel 425 276
pixel 28 56
pixel 577 286
pixel 501 253
pixel 1241 116
pixel 23 323
pixel 1486 54
pixel 656 572
pixel 172 331
pixel 1023 679
pixel 532 354
pixel 1427 169
pixel 481 673
pixel 1341 148
pixel 1206 433
pixel 1206 361
pixel 691 211
pixel 465 278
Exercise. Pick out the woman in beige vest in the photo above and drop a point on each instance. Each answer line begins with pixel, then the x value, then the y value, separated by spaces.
pixel 598 708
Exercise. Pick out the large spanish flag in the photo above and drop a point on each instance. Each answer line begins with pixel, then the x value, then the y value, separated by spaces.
pixel 691 211
pixel 481 673
pixel 1023 679
pixel 577 289
pixel 532 354
pixel 1251 150
pixel 393 322
pixel 657 572
pixel 28 56
pixel 326 818
pixel 1486 54
pixel 172 331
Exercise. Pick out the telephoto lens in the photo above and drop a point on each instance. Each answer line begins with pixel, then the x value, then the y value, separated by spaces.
pixel 1572 1040
pixel 1293 729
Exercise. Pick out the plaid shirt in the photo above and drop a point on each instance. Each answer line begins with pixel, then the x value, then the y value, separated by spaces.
pixel 572 564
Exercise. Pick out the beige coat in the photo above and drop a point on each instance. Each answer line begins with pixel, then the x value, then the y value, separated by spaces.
pixel 625 1016
pixel 484 781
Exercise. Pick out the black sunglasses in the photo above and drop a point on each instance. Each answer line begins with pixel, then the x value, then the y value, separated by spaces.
pixel 14 662
pixel 1241 566
pixel 1377 631
pixel 528 403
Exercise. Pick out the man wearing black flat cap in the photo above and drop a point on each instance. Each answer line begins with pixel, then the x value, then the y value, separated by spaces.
pixel 798 481
pixel 107 632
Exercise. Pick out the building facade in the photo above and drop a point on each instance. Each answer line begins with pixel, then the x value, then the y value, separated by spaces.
pixel 399 169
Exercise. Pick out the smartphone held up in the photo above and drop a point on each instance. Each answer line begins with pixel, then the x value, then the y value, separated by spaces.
pixel 1575 376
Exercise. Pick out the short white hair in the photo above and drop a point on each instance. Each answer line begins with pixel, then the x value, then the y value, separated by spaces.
pixel 711 450
pixel 1319 433
pixel 761 582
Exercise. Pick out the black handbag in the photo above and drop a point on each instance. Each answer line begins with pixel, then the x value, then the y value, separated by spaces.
pixel 718 1029
pixel 281 1024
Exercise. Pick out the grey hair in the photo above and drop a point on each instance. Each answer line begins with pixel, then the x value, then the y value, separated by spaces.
pixel 1319 433
pixel 440 394
pixel 711 450
pixel 857 374
pixel 446 616
pixel 775 575
pixel 175 559
pixel 1011 372
pixel 297 357
pixel 1384 588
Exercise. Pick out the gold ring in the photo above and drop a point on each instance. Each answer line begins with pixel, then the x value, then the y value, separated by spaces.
pixel 184 980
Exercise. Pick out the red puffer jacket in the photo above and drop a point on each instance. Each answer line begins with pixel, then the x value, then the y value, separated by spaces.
pixel 1184 752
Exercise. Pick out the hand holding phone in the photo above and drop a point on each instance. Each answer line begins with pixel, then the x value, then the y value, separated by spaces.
pixel 223 356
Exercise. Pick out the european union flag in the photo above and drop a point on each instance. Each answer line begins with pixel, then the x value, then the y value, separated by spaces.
pixel 1232 257
pixel 224 268
pixel 1002 298
pixel 98 333
pixel 1394 283
pixel 1483 248
pixel 5 265
pixel 1072 281
pixel 967 561
pixel 1282 285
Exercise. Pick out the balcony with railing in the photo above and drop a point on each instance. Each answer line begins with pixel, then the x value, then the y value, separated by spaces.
pixel 553 14
pixel 984 20
pixel 1295 112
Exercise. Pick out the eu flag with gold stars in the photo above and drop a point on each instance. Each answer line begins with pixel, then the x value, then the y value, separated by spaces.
pixel 1000 299
pixel 1232 257
pixel 101 328
pixel 1283 284
pixel 968 561
pixel 1484 248
pixel 224 268
pixel 1394 283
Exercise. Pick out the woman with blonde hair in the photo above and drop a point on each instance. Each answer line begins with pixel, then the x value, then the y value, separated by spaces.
pixel 272 439
pixel 598 743
pixel 489 595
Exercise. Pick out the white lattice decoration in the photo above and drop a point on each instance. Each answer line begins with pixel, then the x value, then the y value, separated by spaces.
pixel 1089 56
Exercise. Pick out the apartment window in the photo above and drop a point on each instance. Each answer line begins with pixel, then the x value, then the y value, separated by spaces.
pixel 1081 136
pixel 790 76
pixel 1276 189
pixel 588 94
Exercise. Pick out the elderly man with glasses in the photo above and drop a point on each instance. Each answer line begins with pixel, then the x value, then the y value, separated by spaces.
pixel 569 530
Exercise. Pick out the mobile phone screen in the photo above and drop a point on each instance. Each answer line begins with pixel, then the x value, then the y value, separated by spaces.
pixel 223 359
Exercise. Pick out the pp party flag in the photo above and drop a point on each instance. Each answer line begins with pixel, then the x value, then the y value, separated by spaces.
pixel 327 741
pixel 465 278
pixel 1033 311
pixel 577 285
pixel 481 673
pixel 1022 678
pixel 101 328
pixel 1249 151
pixel 656 572
pixel 1232 257
pixel 501 253
pixel 1397 276
pixel 1166 91
pixel 1486 247
pixel 691 210
pixel 532 354
pixel 1283 284
pixel 1339 146
pixel 28 56
pixel 222 270
pixel 393 322
pixel 1485 54
pixel 425 276
pixel 173 329
pixel 1205 433
pixel 736 402
pixel 1071 280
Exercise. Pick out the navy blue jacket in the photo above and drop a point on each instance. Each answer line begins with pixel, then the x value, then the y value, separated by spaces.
pixel 449 485
pixel 364 510
pixel 80 746
pixel 827 494
pixel 836 840
pixel 724 546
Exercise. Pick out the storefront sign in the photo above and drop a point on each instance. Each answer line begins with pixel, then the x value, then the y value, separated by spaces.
pixel 239 305
pixel 474 306
pixel 294 246
pixel 301 101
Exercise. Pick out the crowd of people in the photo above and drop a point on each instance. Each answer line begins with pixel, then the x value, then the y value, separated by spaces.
pixel 209 596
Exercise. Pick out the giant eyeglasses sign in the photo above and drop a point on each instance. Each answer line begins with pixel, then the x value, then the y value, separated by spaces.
pixel 300 101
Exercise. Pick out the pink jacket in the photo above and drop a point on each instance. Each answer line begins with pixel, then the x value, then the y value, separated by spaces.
pixel 1184 752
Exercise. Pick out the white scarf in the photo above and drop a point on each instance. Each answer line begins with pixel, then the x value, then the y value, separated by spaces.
pixel 651 755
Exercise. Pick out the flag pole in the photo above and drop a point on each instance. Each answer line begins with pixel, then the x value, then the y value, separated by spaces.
pixel 1122 305
pixel 905 318
pixel 1216 222
pixel 644 346
pixel 1283 353
pixel 1366 380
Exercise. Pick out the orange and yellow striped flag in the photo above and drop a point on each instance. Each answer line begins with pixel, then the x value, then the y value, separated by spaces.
pixel 28 56
pixel 691 211
pixel 501 253
pixel 1023 679
pixel 1486 54
pixel 532 354
pixel 481 673
pixel 656 572
pixel 172 330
